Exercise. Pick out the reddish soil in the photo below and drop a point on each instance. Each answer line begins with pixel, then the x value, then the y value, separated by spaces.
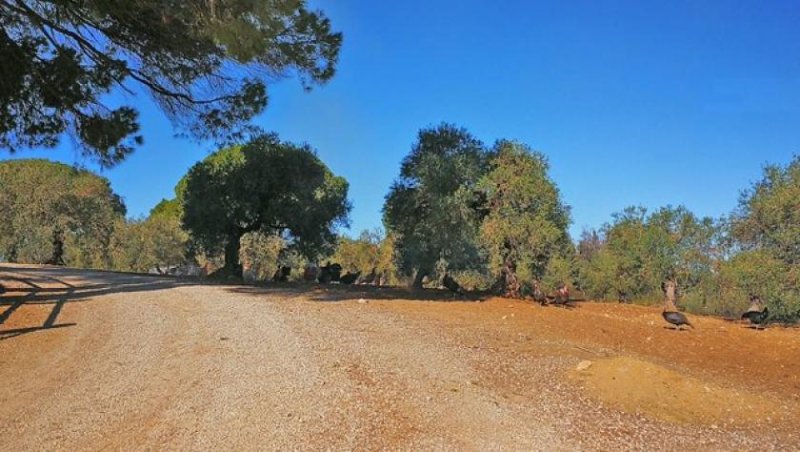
pixel 93 360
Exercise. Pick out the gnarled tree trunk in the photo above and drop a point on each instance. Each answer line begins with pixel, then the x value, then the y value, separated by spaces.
pixel 418 277
pixel 507 283
pixel 232 265
pixel 58 248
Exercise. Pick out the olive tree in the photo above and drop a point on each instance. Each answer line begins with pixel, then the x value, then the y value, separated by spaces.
pixel 265 186
pixel 430 207
pixel 526 222
pixel 56 213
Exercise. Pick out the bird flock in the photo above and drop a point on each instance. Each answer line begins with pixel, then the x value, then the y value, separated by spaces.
pixel 756 315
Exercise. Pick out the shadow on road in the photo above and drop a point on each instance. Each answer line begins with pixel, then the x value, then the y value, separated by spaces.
pixel 48 286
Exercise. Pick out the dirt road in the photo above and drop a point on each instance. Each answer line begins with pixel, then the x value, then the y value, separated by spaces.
pixel 92 360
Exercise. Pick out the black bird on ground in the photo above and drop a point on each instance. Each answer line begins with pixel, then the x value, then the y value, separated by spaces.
pixel 560 296
pixel 451 284
pixel 329 273
pixel 756 318
pixel 538 295
pixel 282 274
pixel 676 318
pixel 349 278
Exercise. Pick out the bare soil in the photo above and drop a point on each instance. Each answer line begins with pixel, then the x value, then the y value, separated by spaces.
pixel 94 360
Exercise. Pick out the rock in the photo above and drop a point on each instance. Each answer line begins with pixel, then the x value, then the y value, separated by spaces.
pixel 583 365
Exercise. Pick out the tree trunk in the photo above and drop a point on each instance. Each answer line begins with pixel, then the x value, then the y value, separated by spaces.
pixel 12 254
pixel 232 265
pixel 510 283
pixel 58 248
pixel 418 277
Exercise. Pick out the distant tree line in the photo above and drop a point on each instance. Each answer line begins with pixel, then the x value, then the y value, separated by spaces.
pixel 488 216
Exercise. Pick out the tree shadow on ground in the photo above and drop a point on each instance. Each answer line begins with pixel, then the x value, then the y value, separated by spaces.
pixel 41 286
pixel 340 292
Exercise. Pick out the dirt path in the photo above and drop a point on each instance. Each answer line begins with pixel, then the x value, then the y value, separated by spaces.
pixel 107 361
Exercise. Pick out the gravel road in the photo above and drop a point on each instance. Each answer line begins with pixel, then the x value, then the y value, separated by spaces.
pixel 95 361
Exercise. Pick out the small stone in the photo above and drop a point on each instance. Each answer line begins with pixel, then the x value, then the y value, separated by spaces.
pixel 505 317
pixel 583 365
pixel 362 301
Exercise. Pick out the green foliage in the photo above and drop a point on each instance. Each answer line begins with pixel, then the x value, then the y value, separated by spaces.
pixel 599 275
pixel 525 227
pixel 460 208
pixel 639 251
pixel 56 213
pixel 167 208
pixel 768 216
pixel 429 208
pixel 140 245
pixel 370 250
pixel 261 255
pixel 766 226
pixel 267 186
pixel 206 63
pixel 561 269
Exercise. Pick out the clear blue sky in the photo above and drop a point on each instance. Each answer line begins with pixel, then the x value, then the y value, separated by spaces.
pixel 633 102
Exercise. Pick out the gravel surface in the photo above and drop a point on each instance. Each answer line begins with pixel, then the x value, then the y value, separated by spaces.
pixel 92 361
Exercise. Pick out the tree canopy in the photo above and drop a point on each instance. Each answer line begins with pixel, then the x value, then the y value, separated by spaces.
pixel 371 250
pixel 526 221
pixel 639 251
pixel 56 213
pixel 768 216
pixel 765 232
pixel 206 64
pixel 430 206
pixel 267 186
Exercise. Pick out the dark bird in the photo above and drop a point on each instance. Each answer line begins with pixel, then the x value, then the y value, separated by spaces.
pixel 282 274
pixel 676 318
pixel 538 295
pixel 561 295
pixel 451 284
pixel 756 318
pixel 335 271
pixel 349 278
pixel 328 273
pixel 324 276
pixel 370 277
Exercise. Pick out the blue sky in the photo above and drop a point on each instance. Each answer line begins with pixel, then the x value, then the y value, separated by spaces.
pixel 634 103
